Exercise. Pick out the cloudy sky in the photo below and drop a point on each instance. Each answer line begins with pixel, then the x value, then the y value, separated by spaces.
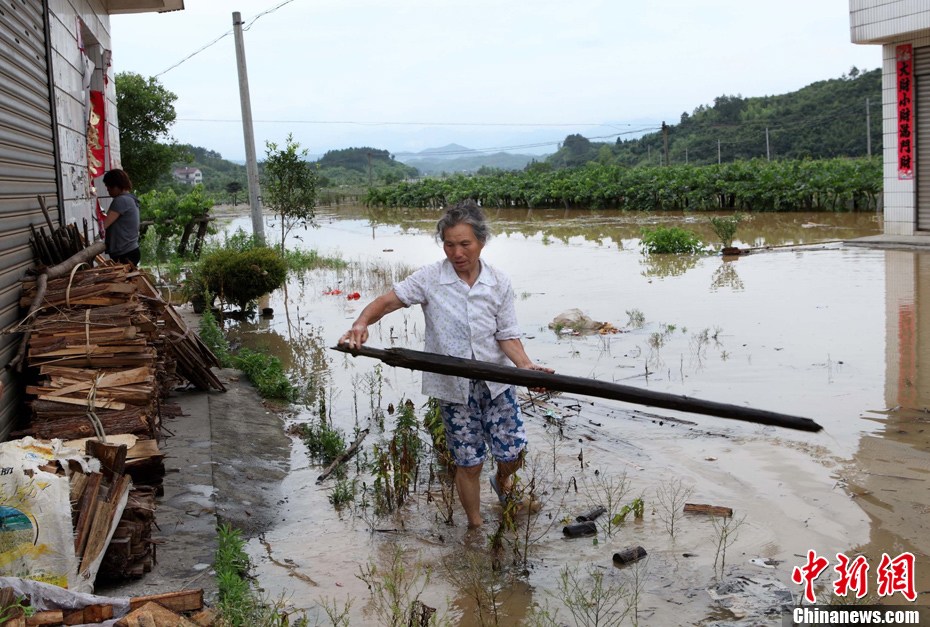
pixel 488 74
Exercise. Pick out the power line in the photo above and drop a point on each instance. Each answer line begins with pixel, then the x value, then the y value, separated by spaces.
pixel 223 36
pixel 393 123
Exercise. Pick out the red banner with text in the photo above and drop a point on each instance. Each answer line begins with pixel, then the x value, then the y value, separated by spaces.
pixel 905 89
pixel 96 127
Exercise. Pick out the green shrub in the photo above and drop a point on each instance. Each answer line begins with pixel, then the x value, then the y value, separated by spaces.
pixel 725 227
pixel 266 373
pixel 670 239
pixel 240 277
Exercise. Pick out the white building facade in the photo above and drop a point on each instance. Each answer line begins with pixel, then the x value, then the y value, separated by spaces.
pixel 55 83
pixel 902 28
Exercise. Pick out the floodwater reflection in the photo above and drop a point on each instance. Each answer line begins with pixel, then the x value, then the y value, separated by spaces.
pixel 834 333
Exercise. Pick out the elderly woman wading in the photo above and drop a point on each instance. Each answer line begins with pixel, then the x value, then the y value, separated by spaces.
pixel 469 311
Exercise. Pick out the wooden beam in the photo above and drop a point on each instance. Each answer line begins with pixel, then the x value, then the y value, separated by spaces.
pixel 474 369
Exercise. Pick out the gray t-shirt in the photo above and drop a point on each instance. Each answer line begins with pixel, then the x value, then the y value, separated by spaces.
pixel 123 235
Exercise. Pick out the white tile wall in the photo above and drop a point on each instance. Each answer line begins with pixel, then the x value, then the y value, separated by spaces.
pixel 879 21
pixel 67 69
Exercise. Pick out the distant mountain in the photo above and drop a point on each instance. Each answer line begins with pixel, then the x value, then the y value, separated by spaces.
pixel 449 151
pixel 825 119
pixel 453 158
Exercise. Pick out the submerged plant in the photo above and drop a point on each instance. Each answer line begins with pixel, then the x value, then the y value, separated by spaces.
pixel 671 497
pixel 396 588
pixel 670 239
pixel 593 599
pixel 725 227
pixel 324 442
pixel 397 462
pixel 636 318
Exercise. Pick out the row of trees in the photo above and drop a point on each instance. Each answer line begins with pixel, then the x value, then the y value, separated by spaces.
pixel 755 185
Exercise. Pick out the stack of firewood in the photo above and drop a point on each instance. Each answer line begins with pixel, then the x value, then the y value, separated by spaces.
pixel 131 553
pixel 107 350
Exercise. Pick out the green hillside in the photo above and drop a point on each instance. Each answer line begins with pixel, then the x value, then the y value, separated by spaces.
pixel 361 166
pixel 822 120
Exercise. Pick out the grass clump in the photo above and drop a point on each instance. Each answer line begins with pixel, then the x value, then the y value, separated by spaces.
pixel 304 260
pixel 670 239
pixel 239 604
pixel 212 335
pixel 267 374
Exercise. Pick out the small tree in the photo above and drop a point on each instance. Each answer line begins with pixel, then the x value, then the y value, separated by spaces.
pixel 233 188
pixel 725 227
pixel 290 186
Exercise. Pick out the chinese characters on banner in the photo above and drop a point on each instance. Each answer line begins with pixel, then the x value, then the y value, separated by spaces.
pixel 905 89
pixel 892 575
pixel 96 145
pixel 95 135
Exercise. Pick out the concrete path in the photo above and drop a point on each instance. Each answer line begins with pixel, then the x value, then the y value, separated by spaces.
pixel 225 459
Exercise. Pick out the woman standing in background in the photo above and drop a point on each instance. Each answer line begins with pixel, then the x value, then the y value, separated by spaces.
pixel 122 219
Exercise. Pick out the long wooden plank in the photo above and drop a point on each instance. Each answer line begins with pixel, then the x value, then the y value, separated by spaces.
pixel 180 601
pixel 474 369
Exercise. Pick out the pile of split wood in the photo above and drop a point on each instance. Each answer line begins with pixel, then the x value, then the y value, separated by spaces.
pixel 106 350
pixel 175 609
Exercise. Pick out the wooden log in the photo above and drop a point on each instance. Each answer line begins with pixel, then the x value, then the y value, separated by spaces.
pixel 97 613
pixel 45 618
pixel 343 457
pixel 153 615
pixel 87 509
pixel 178 601
pixel 97 538
pixel 112 457
pixel 72 616
pixel 474 369
pixel 710 510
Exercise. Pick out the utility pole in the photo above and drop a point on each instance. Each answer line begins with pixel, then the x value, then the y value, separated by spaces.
pixel 768 155
pixel 686 156
pixel 665 140
pixel 868 128
pixel 251 163
pixel 369 169
pixel 718 152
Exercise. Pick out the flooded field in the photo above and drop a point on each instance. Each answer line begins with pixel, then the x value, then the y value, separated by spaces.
pixel 803 325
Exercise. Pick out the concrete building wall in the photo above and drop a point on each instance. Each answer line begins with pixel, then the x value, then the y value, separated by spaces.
pixel 879 21
pixel 71 22
pixel 889 23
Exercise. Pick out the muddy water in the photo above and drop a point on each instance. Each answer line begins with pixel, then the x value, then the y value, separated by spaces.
pixel 802 325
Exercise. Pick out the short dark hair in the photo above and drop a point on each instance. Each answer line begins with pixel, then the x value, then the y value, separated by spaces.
pixel 465 212
pixel 117 178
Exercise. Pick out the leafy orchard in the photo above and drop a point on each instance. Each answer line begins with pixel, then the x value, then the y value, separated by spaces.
pixel 756 185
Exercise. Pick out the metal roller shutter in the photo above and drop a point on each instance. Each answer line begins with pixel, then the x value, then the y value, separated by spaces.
pixel 27 166
pixel 922 112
